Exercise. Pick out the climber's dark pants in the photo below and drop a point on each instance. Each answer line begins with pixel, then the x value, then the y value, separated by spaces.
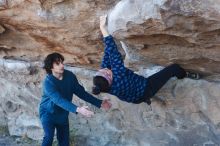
pixel 157 80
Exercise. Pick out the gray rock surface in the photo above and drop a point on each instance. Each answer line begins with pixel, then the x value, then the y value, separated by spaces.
pixel 149 33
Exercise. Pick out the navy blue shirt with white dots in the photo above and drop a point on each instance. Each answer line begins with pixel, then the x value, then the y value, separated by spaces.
pixel 126 85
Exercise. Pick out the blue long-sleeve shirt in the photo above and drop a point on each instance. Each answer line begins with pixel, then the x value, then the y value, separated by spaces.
pixel 57 96
pixel 126 85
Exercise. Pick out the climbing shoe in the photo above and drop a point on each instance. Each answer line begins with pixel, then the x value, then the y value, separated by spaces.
pixel 192 75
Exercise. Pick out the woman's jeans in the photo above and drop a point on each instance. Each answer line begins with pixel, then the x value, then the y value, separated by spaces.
pixel 157 80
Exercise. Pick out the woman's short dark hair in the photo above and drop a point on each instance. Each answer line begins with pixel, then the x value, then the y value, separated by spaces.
pixel 100 85
pixel 50 59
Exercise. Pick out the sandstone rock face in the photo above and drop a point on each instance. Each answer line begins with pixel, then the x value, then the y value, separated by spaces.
pixel 149 32
pixel 159 32
pixel 20 96
pixel 165 31
pixel 189 117
pixel 69 27
pixel 1 29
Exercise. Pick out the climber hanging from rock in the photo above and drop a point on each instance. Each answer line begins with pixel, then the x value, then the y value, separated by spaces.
pixel 116 79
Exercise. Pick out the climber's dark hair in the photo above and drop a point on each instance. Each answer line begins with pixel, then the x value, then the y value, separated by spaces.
pixel 100 85
pixel 50 59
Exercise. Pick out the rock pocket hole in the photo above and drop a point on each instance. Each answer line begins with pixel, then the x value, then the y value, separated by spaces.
pixel 10 106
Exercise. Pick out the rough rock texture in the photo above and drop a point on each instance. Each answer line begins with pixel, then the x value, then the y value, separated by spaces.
pixel 150 32
pixel 161 32
pixel 66 26
pixel 20 96
pixel 165 31
pixel 190 116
